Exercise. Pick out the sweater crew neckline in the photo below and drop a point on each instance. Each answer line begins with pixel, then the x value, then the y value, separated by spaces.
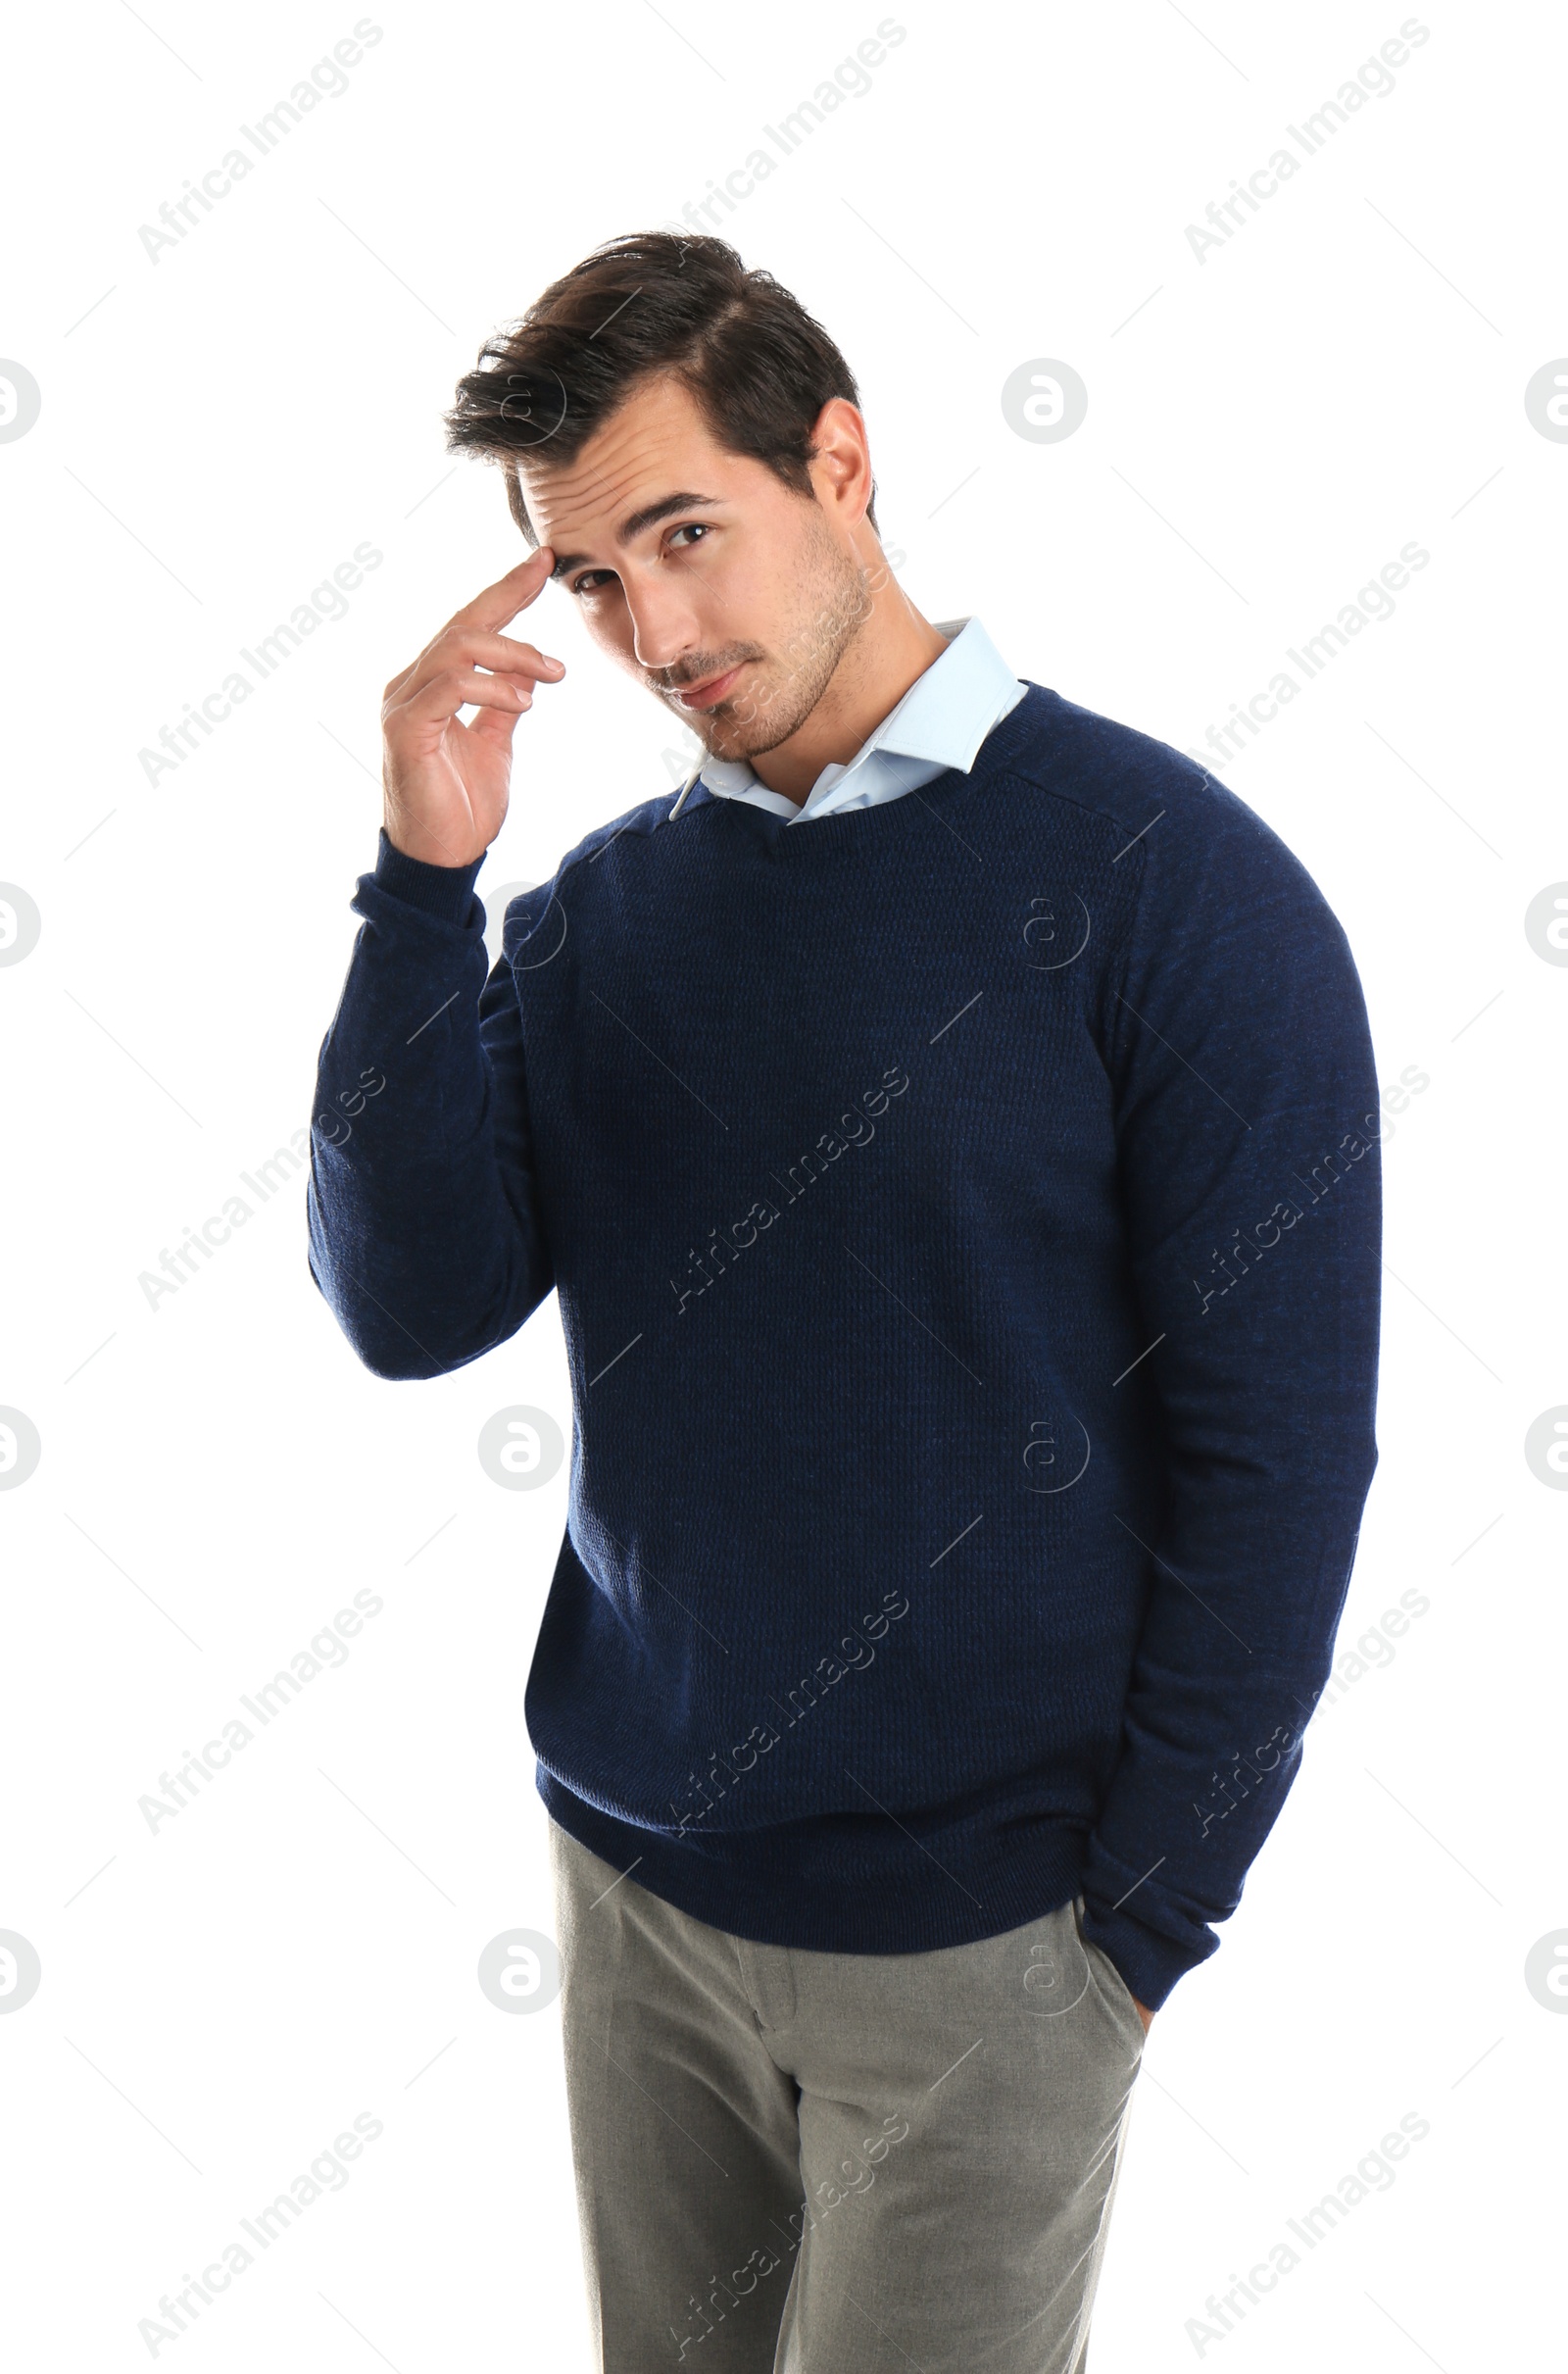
pixel 1001 745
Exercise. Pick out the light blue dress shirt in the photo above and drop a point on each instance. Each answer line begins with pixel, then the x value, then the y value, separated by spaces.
pixel 940 722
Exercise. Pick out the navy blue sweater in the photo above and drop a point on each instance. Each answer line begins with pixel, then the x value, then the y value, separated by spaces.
pixel 965 1217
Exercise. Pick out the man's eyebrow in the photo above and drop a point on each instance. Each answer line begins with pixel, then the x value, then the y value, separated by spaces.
pixel 633 525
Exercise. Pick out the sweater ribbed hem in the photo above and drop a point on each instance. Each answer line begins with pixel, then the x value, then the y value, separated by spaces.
pixel 777 1886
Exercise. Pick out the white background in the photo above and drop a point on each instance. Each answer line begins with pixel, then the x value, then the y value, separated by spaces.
pixel 220 428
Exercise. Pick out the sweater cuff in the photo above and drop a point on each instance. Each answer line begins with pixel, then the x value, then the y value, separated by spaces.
pixel 438 890
pixel 1150 1962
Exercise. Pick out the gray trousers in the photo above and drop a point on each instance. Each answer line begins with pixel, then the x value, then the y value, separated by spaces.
pixel 792 2162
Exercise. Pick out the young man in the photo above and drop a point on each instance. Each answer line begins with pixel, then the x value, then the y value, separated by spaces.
pixel 949 1127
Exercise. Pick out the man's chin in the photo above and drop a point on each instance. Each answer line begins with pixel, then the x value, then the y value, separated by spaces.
pixel 739 731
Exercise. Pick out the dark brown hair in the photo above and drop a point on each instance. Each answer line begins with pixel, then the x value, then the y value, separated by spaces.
pixel 754 360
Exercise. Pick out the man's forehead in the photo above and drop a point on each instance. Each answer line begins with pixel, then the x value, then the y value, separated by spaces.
pixel 657 443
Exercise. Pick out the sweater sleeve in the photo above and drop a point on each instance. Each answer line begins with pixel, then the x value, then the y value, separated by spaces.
pixel 1246 1121
pixel 426 1234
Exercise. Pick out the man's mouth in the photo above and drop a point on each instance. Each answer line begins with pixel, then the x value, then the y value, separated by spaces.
pixel 713 688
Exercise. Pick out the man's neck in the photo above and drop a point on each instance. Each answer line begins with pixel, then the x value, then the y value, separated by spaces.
pixel 895 647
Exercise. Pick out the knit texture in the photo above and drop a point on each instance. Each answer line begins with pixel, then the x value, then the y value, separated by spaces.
pixel 964 1216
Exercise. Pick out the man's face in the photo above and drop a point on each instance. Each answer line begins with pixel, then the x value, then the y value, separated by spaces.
pixel 701 572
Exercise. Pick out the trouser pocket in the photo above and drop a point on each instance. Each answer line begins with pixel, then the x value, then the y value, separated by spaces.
pixel 1111 1981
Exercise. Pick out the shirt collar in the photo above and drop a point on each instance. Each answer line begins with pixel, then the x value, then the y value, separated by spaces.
pixel 943 718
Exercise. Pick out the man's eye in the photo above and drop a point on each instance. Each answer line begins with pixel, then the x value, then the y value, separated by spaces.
pixel 588 581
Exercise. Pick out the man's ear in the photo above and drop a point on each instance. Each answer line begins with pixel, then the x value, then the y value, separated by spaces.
pixel 840 459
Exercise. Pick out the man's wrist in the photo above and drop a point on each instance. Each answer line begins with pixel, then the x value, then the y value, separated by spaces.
pixel 425 847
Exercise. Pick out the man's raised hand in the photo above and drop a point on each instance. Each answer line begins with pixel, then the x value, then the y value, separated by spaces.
pixel 446 784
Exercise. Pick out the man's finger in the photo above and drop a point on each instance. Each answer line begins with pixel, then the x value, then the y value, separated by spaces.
pixel 488 611
pixel 474 647
pixel 438 702
pixel 509 594
pixel 491 725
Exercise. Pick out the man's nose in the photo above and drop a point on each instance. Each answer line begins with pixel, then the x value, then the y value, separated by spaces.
pixel 664 624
